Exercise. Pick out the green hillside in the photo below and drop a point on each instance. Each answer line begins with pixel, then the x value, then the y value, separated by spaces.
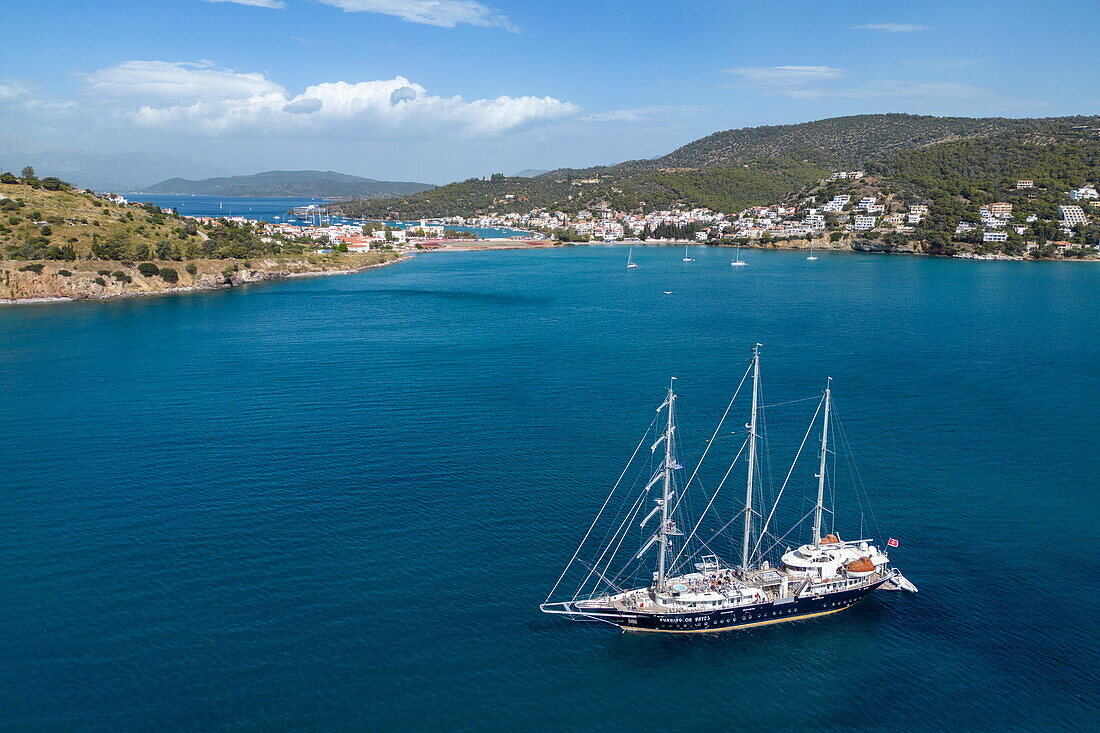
pixel 1059 157
pixel 624 189
pixel 838 142
pixel 731 170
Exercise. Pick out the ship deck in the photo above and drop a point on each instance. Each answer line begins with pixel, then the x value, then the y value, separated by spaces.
pixel 642 599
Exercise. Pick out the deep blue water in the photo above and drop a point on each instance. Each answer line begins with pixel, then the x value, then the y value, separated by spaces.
pixel 336 502
pixel 275 209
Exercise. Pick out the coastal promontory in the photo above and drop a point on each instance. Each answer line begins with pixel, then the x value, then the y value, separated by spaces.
pixel 59 242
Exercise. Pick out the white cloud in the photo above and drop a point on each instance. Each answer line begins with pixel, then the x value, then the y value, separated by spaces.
pixel 953 95
pixel 784 76
pixel 15 95
pixel 201 99
pixel 634 114
pixel 442 13
pixel 812 83
pixel 178 81
pixel 891 27
pixel 276 4
pixel 11 91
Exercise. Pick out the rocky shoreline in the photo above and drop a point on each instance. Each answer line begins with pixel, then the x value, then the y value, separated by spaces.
pixel 47 281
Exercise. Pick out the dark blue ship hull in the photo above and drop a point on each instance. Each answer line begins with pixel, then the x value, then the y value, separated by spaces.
pixel 792 609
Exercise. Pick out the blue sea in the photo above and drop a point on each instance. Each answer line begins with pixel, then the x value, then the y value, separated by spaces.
pixel 275 209
pixel 336 503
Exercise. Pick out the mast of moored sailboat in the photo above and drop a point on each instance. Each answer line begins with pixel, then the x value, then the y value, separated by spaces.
pixel 752 459
pixel 820 505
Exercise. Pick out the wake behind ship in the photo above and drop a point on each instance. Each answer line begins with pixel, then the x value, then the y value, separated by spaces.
pixel 691 587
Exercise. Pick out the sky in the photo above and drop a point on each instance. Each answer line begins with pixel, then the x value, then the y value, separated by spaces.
pixel 441 90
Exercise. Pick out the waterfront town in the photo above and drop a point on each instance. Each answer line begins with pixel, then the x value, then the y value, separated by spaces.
pixel 878 220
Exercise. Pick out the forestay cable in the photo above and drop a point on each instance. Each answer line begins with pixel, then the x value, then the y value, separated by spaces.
pixel 600 513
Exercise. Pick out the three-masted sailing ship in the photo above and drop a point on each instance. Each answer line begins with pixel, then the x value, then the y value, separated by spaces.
pixel 691 588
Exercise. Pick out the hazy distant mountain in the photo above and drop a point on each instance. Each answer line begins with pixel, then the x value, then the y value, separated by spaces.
pixel 529 173
pixel 99 171
pixel 321 184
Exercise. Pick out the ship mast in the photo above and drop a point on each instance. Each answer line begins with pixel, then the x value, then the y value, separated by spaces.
pixel 666 484
pixel 820 505
pixel 752 458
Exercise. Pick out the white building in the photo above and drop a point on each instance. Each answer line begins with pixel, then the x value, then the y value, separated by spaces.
pixel 837 204
pixel 863 223
pixel 1071 216
pixel 1085 192
pixel 995 237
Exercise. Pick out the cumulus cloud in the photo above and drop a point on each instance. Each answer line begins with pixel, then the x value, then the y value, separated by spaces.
pixel 200 98
pixel 442 13
pixel 891 27
pixel 784 76
pixel 303 106
pixel 402 94
pixel 276 4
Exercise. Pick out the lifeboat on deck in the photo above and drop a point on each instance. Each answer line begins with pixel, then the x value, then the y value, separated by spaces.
pixel 830 539
pixel 860 568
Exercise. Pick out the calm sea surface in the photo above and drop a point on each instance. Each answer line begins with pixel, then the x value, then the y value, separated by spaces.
pixel 337 502
pixel 275 209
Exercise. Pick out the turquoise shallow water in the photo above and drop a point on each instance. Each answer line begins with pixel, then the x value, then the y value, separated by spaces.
pixel 337 502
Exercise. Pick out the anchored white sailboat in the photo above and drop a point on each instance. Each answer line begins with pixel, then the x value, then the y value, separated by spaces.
pixel 811 257
pixel 686 258
pixel 688 586
pixel 630 263
pixel 737 261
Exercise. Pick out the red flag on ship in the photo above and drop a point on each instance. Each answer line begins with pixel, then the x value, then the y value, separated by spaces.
pixel 891 542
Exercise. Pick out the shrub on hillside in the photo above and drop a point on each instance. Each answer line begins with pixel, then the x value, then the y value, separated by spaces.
pixel 35 268
pixel 121 276
pixel 148 269
pixel 191 268
pixel 100 281
pixel 64 273
pixel 169 274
